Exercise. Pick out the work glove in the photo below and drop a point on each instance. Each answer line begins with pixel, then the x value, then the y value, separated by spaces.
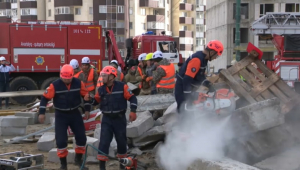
pixel 132 116
pixel 149 79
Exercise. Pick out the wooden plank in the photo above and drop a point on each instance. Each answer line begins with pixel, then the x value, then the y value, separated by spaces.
pixel 264 85
pixel 273 88
pixel 236 86
pixel 22 93
pixel 240 65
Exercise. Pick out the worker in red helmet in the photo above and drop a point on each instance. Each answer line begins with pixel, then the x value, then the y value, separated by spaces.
pixel 67 93
pixel 192 73
pixel 113 97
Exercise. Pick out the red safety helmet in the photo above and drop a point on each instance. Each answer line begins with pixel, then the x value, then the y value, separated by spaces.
pixel 109 70
pixel 216 46
pixel 66 71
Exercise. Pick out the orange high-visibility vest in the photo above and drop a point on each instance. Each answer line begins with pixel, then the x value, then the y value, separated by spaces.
pixel 167 82
pixel 141 74
pixel 77 74
pixel 89 85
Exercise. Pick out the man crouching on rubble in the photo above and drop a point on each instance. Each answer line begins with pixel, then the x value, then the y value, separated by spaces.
pixel 66 93
pixel 113 96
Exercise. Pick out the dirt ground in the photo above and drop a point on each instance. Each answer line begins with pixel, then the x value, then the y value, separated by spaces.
pixel 31 148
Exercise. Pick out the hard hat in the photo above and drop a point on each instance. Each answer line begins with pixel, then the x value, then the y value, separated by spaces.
pixel 109 70
pixel 67 71
pixel 114 61
pixel 2 58
pixel 85 60
pixel 157 54
pixel 74 63
pixel 216 46
pixel 149 56
pixel 142 56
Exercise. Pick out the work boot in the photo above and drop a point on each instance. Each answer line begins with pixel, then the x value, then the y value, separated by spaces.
pixel 122 167
pixel 78 161
pixel 63 163
pixel 102 165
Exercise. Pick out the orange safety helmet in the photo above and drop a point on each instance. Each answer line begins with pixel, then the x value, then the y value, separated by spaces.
pixel 67 71
pixel 216 46
pixel 109 70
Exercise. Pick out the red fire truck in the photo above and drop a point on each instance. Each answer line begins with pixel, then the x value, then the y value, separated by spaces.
pixel 285 29
pixel 39 49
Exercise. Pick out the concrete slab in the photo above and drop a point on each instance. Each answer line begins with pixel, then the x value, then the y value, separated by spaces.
pixel 155 149
pixel 154 102
pixel 170 114
pixel 33 117
pixel 52 156
pixel 47 118
pixel 12 131
pixel 158 122
pixel 136 151
pixel 288 160
pixel 46 142
pixel 154 134
pixel 97 133
pixel 226 164
pixel 143 123
pixel 13 121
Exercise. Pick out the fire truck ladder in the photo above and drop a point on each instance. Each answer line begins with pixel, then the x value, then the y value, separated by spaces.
pixel 277 23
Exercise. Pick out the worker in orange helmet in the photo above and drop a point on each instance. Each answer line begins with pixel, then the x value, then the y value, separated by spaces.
pixel 192 73
pixel 67 93
pixel 113 97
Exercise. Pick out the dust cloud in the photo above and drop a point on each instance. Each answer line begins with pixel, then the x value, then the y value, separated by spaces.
pixel 195 135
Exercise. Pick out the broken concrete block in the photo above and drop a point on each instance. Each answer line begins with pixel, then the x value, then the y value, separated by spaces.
pixel 52 156
pixel 97 133
pixel 154 102
pixel 158 122
pixel 155 149
pixel 12 131
pixel 13 121
pixel 46 142
pixel 33 117
pixel 154 134
pixel 47 118
pixel 225 164
pixel 136 151
pixel 170 114
pixel 52 121
pixel 143 123
pixel 288 160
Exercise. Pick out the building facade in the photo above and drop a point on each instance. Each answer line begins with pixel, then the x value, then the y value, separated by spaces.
pixel 220 16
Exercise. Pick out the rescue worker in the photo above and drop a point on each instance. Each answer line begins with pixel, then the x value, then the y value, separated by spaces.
pixel 149 72
pixel 74 63
pixel 88 75
pixel 130 76
pixel 115 64
pixel 192 72
pixel 5 68
pixel 113 96
pixel 141 74
pixel 66 93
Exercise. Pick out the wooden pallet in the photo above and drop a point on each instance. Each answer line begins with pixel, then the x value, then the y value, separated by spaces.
pixel 259 85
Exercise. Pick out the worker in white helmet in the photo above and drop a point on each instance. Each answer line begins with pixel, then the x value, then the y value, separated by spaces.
pixel 115 64
pixel 88 75
pixel 5 68
pixel 141 75
pixel 74 63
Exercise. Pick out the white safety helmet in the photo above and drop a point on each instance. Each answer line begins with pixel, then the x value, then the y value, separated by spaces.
pixel 85 60
pixel 142 56
pixel 74 63
pixel 2 58
pixel 157 54
pixel 114 61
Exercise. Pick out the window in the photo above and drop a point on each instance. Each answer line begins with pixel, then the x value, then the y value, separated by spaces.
pixel 291 7
pixel 103 23
pixel 49 13
pixel 77 11
pixel 102 9
pixel 111 9
pixel 120 24
pixel 243 35
pixel 155 25
pixel 14 1
pixel 184 28
pixel 28 11
pixel 155 12
pixel 90 10
pixel 120 38
pixel 130 25
pixel 183 14
pixel 62 10
pixel 5 12
pixel 167 47
pixel 120 9
pixel 200 28
pixel 200 42
pixel 265 8
pixel 143 11
pixel 244 10
pixel 143 25
pixel 130 11
pixel 200 15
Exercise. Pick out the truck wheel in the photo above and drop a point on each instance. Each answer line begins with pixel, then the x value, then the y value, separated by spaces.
pixel 22 84
pixel 47 82
pixel 297 87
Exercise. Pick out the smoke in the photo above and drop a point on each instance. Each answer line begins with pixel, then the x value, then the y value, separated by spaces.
pixel 197 135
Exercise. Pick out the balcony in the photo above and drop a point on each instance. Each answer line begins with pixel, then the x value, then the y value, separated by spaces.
pixel 151 4
pixel 5 5
pixel 186 20
pixel 200 8
pixel 156 18
pixel 186 34
pixel 64 17
pixel 200 34
pixel 28 4
pixel 26 18
pixel 186 7
pixel 58 3
pixel 200 21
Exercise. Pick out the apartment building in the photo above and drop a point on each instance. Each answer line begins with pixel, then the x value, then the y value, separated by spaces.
pixel 220 16
pixel 22 10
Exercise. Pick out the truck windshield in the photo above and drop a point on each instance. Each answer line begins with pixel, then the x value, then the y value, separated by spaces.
pixel 167 47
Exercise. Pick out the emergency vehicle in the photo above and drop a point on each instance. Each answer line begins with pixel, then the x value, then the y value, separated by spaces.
pixel 38 49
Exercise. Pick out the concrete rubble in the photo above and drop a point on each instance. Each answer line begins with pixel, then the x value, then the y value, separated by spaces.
pixel 46 142
pixel 13 125
pixel 32 117
pixel 143 123
pixel 52 156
